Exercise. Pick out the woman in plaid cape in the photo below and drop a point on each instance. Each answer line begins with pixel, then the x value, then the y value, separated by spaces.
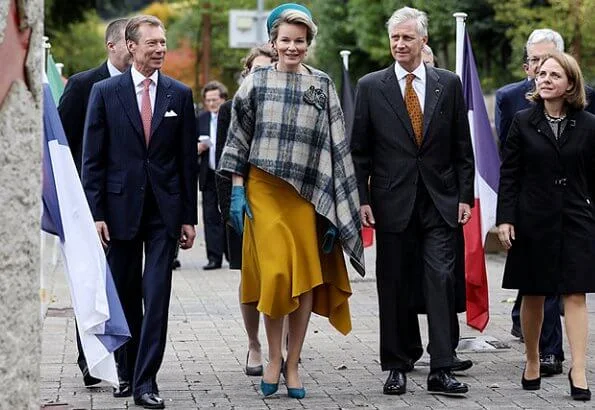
pixel 293 177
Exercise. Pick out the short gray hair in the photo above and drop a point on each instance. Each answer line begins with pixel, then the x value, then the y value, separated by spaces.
pixel 132 28
pixel 405 14
pixel 294 17
pixel 545 34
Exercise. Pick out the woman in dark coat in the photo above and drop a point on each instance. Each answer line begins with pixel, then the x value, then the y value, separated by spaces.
pixel 545 212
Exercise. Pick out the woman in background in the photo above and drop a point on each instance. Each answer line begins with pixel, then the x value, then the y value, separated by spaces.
pixel 261 56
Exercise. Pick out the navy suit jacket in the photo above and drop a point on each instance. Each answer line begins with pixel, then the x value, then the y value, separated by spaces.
pixel 73 106
pixel 511 99
pixel 118 167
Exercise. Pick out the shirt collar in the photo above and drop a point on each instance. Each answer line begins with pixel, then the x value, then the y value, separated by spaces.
pixel 420 72
pixel 113 71
pixel 138 78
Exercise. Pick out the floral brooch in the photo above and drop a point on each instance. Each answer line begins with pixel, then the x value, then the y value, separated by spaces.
pixel 316 97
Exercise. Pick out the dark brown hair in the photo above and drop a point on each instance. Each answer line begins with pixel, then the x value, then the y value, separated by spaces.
pixel 264 50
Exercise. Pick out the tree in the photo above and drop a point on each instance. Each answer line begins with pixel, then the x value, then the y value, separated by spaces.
pixel 80 46
pixel 565 16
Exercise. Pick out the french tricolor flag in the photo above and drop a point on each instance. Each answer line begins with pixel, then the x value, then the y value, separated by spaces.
pixel 487 174
pixel 99 315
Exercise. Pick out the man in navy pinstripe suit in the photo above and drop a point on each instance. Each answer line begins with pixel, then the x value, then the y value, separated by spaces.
pixel 139 175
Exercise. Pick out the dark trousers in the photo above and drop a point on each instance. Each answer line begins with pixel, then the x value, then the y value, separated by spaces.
pixel 139 359
pixel 234 246
pixel 214 228
pixel 550 341
pixel 395 265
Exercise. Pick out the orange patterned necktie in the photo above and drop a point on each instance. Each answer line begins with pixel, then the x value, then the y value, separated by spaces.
pixel 414 109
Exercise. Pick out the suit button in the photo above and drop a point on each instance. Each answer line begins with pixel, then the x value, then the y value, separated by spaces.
pixel 419 157
pixel 142 188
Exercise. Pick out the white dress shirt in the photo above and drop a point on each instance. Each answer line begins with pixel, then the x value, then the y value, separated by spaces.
pixel 213 136
pixel 113 71
pixel 419 82
pixel 137 80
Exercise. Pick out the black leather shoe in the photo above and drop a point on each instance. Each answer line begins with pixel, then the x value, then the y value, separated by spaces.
pixel 530 384
pixel 124 390
pixel 176 264
pixel 459 365
pixel 516 332
pixel 149 401
pixel 253 370
pixel 443 382
pixel 578 393
pixel 550 365
pixel 89 380
pixel 396 383
pixel 212 265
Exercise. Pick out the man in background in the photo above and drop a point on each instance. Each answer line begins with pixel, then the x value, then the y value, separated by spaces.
pixel 72 109
pixel 73 103
pixel 214 94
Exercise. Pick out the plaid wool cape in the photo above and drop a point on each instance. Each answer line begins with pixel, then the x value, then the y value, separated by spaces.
pixel 291 126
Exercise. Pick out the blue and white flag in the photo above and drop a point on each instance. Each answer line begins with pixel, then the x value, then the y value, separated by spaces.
pixel 99 316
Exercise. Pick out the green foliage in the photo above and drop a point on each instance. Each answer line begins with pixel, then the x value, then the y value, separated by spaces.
pixel 80 46
pixel 573 19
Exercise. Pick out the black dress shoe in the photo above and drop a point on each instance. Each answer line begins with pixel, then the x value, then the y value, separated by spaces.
pixel 89 380
pixel 176 264
pixel 530 384
pixel 253 370
pixel 124 390
pixel 516 332
pixel 149 401
pixel 443 382
pixel 550 365
pixel 396 383
pixel 459 365
pixel 578 393
pixel 212 265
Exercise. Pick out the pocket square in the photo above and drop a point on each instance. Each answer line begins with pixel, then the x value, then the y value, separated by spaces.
pixel 171 113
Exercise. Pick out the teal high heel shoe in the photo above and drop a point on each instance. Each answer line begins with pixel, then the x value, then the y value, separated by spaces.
pixel 296 393
pixel 268 388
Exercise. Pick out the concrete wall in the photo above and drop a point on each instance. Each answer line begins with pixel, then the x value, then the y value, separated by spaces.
pixel 21 25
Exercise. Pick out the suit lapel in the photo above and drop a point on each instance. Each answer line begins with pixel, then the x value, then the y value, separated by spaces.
pixel 162 99
pixel 102 72
pixel 127 96
pixel 392 92
pixel 433 93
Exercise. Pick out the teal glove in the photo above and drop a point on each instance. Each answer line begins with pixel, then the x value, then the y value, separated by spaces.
pixel 328 241
pixel 238 207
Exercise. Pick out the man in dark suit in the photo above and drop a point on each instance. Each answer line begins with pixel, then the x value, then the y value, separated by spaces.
pixel 72 108
pixel 509 100
pixel 73 103
pixel 214 94
pixel 139 175
pixel 420 168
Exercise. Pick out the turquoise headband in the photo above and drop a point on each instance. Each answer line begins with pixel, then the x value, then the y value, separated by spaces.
pixel 277 11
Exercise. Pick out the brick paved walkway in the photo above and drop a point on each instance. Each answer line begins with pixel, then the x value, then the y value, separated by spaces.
pixel 207 349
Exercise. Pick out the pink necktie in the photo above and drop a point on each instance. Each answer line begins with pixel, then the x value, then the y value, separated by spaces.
pixel 145 110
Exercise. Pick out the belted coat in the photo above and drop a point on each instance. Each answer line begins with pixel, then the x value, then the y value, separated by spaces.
pixel 547 193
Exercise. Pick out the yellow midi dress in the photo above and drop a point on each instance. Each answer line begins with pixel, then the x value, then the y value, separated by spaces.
pixel 282 256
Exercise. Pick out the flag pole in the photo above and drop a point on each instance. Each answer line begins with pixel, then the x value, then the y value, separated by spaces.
pixel 345 55
pixel 460 41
